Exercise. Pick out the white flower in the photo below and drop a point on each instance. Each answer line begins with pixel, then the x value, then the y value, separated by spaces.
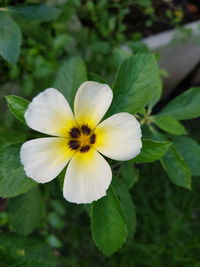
pixel 78 140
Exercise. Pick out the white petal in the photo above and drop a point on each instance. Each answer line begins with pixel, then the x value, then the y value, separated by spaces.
pixel 50 113
pixel 119 137
pixel 44 158
pixel 91 103
pixel 87 178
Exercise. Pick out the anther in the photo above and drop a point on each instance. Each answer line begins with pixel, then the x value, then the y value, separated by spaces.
pixel 92 138
pixel 74 144
pixel 75 132
pixel 85 129
pixel 84 149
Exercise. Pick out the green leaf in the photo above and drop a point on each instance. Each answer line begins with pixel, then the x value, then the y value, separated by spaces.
pixel 53 241
pixel 174 165
pixel 119 55
pixel 13 180
pixel 176 168
pixel 108 224
pixel 10 39
pixel 55 220
pixel 169 125
pixel 129 173
pixel 34 12
pixel 184 106
pixel 152 150
pixel 127 205
pixel 26 211
pixel 70 76
pixel 17 106
pixel 190 151
pixel 136 83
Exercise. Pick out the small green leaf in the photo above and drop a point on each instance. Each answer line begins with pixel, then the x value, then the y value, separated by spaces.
pixel 152 150
pixel 176 168
pixel 17 106
pixel 53 241
pixel 70 76
pixel 26 211
pixel 55 220
pixel 136 83
pixel 10 39
pixel 108 224
pixel 169 125
pixel 129 173
pixel 190 151
pixel 34 12
pixel 13 180
pixel 127 205
pixel 184 106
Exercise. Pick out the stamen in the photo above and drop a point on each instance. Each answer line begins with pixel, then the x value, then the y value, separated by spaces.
pixel 74 144
pixel 84 149
pixel 85 129
pixel 93 139
pixel 75 132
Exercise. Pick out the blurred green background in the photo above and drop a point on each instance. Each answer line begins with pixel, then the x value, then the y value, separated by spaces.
pixel 102 33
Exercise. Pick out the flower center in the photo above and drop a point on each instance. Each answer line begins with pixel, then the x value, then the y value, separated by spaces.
pixel 81 139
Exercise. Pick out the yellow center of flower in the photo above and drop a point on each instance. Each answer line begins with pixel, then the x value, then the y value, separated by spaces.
pixel 84 140
pixel 81 139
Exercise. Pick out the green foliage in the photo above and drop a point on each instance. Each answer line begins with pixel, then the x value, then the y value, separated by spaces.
pixel 18 250
pixel 169 125
pixel 134 91
pixel 184 106
pixel 13 180
pixel 17 106
pixel 190 151
pixel 10 40
pixel 70 76
pixel 108 224
pixel 129 173
pixel 26 211
pixel 92 35
pixel 127 205
pixel 152 150
pixel 34 12
pixel 176 168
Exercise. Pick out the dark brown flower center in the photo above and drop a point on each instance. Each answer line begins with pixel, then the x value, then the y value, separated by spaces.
pixel 81 139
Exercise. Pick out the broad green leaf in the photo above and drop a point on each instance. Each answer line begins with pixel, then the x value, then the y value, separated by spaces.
pixel 13 180
pixel 70 76
pixel 17 106
pixel 34 12
pixel 190 151
pixel 129 173
pixel 26 211
pixel 119 55
pixel 16 250
pixel 10 39
pixel 176 168
pixel 169 125
pixel 152 150
pixel 184 106
pixel 127 205
pixel 108 224
pixel 136 83
pixel 174 165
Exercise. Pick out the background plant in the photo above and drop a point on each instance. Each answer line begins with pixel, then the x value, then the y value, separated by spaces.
pixel 64 53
